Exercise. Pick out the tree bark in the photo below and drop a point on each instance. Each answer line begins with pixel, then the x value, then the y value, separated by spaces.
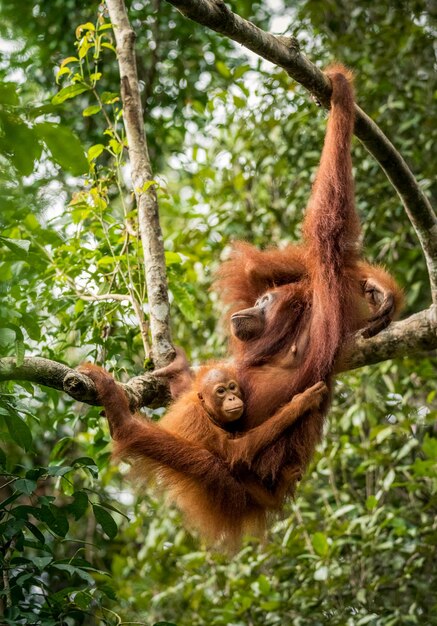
pixel 144 390
pixel 144 187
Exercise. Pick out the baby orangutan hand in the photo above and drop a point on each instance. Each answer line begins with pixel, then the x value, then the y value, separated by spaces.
pixel 312 397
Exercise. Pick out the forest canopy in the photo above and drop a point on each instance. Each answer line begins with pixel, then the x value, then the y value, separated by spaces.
pixel 233 141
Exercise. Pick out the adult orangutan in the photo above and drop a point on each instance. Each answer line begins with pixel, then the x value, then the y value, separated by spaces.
pixel 293 310
pixel 192 453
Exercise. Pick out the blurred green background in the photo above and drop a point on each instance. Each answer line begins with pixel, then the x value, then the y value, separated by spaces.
pixel 234 145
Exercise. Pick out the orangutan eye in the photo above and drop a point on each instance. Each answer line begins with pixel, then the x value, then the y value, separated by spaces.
pixel 263 300
pixel 232 386
pixel 221 391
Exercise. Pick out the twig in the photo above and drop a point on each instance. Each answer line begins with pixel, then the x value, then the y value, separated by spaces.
pixel 103 297
pixel 306 536
pixel 6 584
pixel 145 192
pixel 284 52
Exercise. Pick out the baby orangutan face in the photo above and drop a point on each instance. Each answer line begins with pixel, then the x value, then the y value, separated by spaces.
pixel 221 396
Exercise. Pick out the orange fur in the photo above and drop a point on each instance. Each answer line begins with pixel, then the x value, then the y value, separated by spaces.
pixel 204 469
pixel 227 482
pixel 323 293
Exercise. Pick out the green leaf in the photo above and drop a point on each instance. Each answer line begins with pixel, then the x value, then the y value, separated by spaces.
pixel 19 246
pixel 105 520
pixel 79 505
pixel 69 92
pixel 62 72
pixel 109 97
pixel 8 94
pixel 85 461
pixel 429 446
pixel 82 600
pixel 19 351
pixel 240 103
pixel 36 532
pixel 172 258
pixel 69 60
pixel 320 544
pixel 55 518
pixel 371 503
pixel 10 528
pixel 41 562
pixel 64 146
pixel 30 322
pixel 7 336
pixel 25 486
pixel 19 143
pixel 59 470
pixel 70 569
pixel 95 151
pixel 60 446
pixel 239 71
pixel 4 503
pixel 223 69
pixel 85 26
pixel 92 110
pixel 18 429
pixel 184 301
pixel 109 46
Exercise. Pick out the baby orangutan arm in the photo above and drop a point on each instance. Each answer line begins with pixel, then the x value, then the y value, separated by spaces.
pixel 246 447
pixel 138 438
pixel 178 374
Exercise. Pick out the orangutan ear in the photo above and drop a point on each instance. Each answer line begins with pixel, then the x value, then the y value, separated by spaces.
pixel 200 396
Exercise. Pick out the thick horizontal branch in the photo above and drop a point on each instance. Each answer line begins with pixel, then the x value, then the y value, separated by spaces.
pixel 284 52
pixel 414 335
pixel 144 390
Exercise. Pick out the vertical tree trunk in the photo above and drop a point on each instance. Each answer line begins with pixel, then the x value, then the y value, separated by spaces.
pixel 145 190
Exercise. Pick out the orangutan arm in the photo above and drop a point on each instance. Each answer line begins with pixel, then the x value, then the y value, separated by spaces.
pixel 246 447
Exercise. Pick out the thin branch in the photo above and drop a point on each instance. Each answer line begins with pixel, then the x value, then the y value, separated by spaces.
pixel 103 297
pixel 414 335
pixel 6 565
pixel 145 192
pixel 284 52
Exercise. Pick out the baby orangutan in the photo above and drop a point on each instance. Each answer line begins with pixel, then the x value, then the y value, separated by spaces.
pixel 196 454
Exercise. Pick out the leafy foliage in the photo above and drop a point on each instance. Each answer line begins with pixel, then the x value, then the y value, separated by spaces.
pixel 234 145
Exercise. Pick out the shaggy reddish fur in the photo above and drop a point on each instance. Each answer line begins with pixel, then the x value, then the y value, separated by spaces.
pixel 203 468
pixel 323 294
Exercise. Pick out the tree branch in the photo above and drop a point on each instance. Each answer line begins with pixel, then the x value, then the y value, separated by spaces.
pixel 284 52
pixel 6 566
pixel 145 191
pixel 416 334
pixel 144 390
